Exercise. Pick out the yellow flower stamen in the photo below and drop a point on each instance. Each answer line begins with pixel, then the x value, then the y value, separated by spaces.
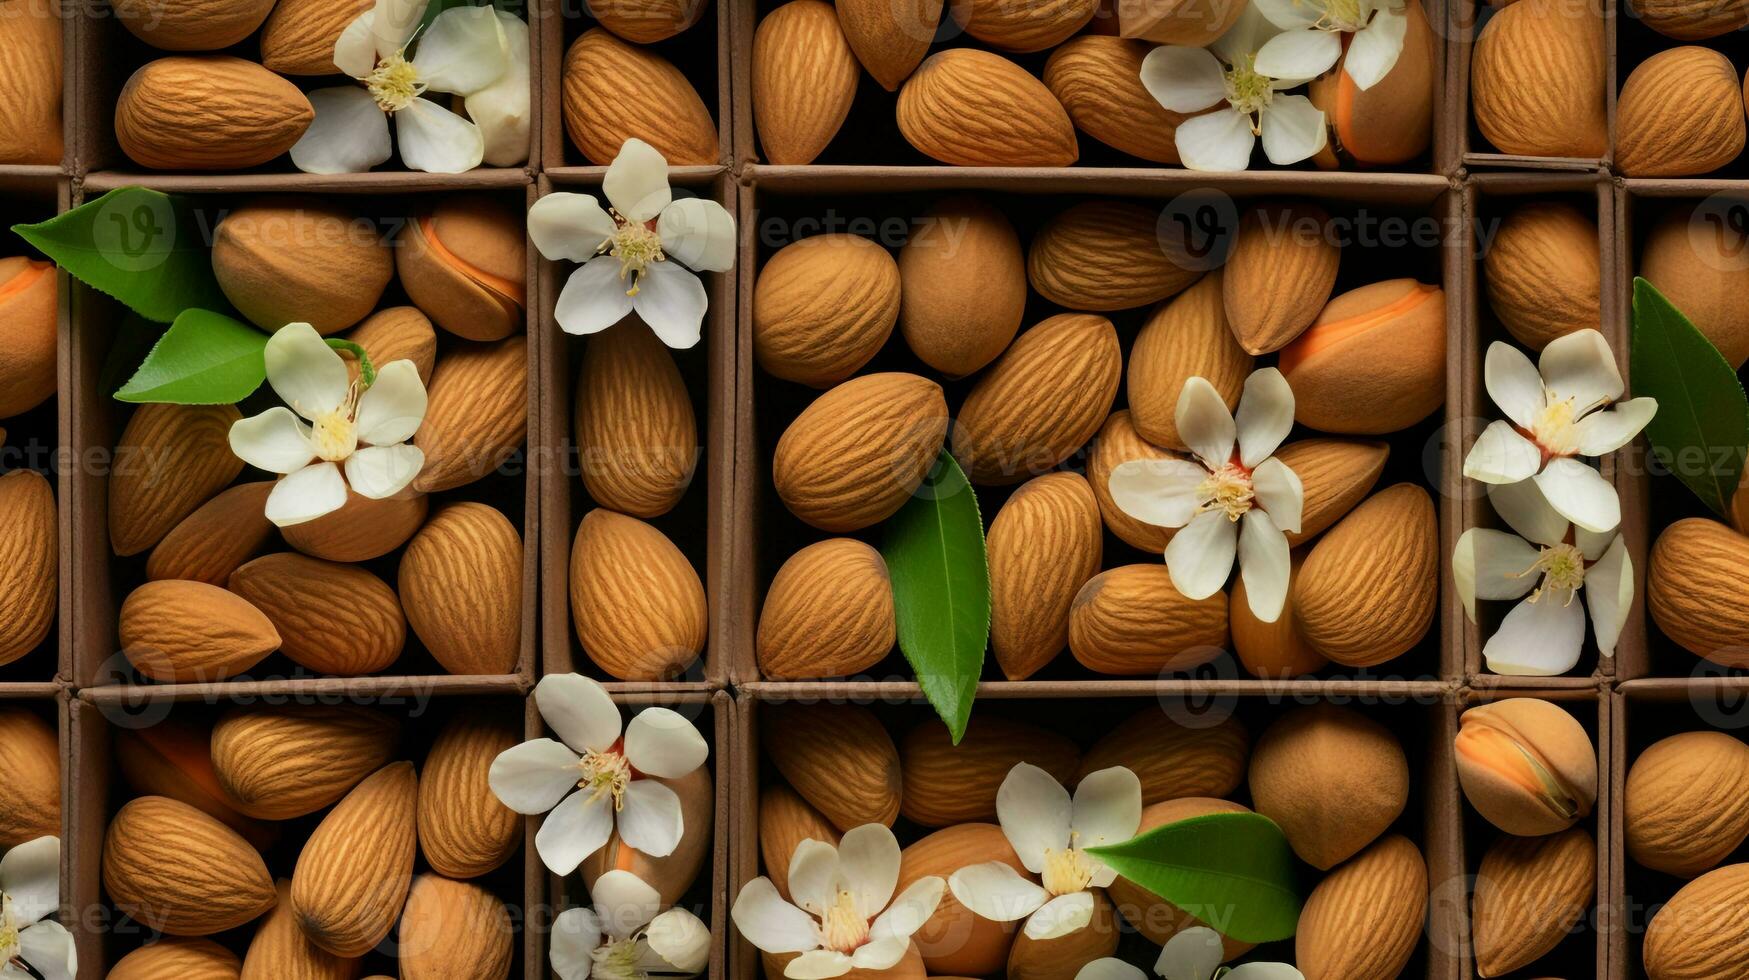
pixel 1555 428
pixel 616 959
pixel 1067 871
pixel 1227 489
pixel 844 927
pixel 394 83
pixel 1562 569
pixel 1247 91
pixel 635 244
pixel 605 774
pixel 334 434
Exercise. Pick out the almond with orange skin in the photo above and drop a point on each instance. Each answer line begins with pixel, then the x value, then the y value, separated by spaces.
pixel 671 876
pixel 1023 28
pixel 174 958
pixel 208 112
pixel 476 415
pixel 1372 362
pixel 1527 765
pixel 1368 591
pixel 947 784
pixel 972 108
pixel 838 757
pixel 397 333
pixel 29 301
pixel 1194 23
pixel 454 929
pixel 281 951
pixel 30 85
pixel 1680 114
pixel 637 602
pixel 353 874
pixel 29 562
pixel 634 422
pixel 889 38
pixel 190 632
pixel 854 456
pixel 828 612
pixel 1041 401
pixel 804 80
pixel 1118 443
pixel 170 460
pixel 179 871
pixel 1173 760
pixel 1332 778
pixel 1130 620
pixel 1392 121
pixel 822 307
pixel 953 329
pixel 289 259
pixel 1543 273
pixel 644 22
pixel 1044 544
pixel 362 529
pixel 1537 77
pixel 331 617
pixel 1098 80
pixel 1380 895
pixel 1702 275
pixel 1103 256
pixel 1529 893
pixel 276 763
pixel 30 802
pixel 174 758
pixel 785 820
pixel 1686 808
pixel 1336 474
pixel 461 585
pixel 1699 934
pixel 1695 564
pixel 954 938
pixel 1151 915
pixel 1049 959
pixel 299 36
pixel 217 538
pixel 464 831
pixel 464 263
pixel 1279 274
pixel 1271 650
pixel 614 91
pixel 1185 337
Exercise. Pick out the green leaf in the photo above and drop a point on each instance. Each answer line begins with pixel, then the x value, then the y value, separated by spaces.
pixel 1234 871
pixel 145 248
pixel 935 556
pixel 205 358
pixel 1701 431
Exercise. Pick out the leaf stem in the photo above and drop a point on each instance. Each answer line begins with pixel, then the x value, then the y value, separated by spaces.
pixel 365 367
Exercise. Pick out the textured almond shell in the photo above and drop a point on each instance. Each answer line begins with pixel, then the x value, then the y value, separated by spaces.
pixel 889 37
pixel 174 758
pixel 972 108
pixel 476 415
pixel 1680 114
pixel 1104 256
pixel 1363 921
pixel 170 460
pixel 1041 401
pixel 454 929
pixel 1370 587
pixel 299 36
pixel 1694 589
pixel 614 91
pixel 1537 79
pixel 1279 274
pixel 1687 803
pixel 464 263
pixel 30 796
pixel 822 307
pixel 1130 620
pixel 177 870
pixel 464 831
pixel 1098 80
pixel 29 324
pixel 671 876
pixel 947 784
pixel 281 951
pixel 952 328
pixel 1118 443
pixel 286 260
pixel 954 939
pixel 180 632
pixel 462 587
pixel 1689 20
pixel 637 602
pixel 804 81
pixel 1024 27
pixel 217 538
pixel 191 25
pixel 1373 361
pixel 1699 934
pixel 1276 650
pixel 353 874
pixel 1151 915
pixel 208 112
pixel 853 457
pixel 1171 759
pixel 1543 274
pixel 1333 778
pixel 362 529
pixel 647 21
pixel 785 820
pixel 838 757
pixel 29 560
pixel 1529 893
pixel 174 958
pixel 1194 23
pixel 828 612
pixel 276 763
pixel 1044 544
pixel 1699 271
pixel 1336 474
pixel 331 617
pixel 634 421
pixel 30 85
pixel 394 334
pixel 1185 337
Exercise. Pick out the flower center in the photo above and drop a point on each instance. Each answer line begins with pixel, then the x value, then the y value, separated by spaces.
pixel 1227 489
pixel 335 434
pixel 1247 91
pixel 394 83
pixel 1067 871
pixel 843 927
pixel 635 245
pixel 1554 428
pixel 1342 15
pixel 616 959
pixel 9 945
pixel 605 773
pixel 1562 568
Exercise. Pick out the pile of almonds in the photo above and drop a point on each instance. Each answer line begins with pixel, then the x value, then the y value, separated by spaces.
pixel 1680 112
pixel 1042 412
pixel 30 549
pixel 221 587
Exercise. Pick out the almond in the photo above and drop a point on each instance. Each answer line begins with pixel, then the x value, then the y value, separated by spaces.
pixel 1390 122
pixel 1700 932
pixel 1279 274
pixel 1171 759
pixel 637 602
pixel 299 36
pixel 216 539
pixel 1697 566
pixel 1104 256
pixel 948 784
pixel 362 529
pixel 1098 80
pixel 29 562
pixel 464 262
pixel 1272 651
pixel 476 416
pixel 191 25
pixel 395 334
pixel 464 831
pixel 1686 808
pixel 1193 23
pixel 286 260
pixel 1048 959
pixel 280 762
pixel 30 804
pixel 972 108
pixel 29 311
pixel 208 112
pixel 1025 27
pixel 1130 620
pixel 1702 275
pixel 822 307
pixel 174 758
pixel 173 958
pixel 645 22
pixel 785 820
pixel 1372 362
pixel 191 632
pixel 170 460
pixel 1185 337
pixel 353 874
pixel 461 584
pixel 1543 273
pixel 951 328
pixel 1151 915
pixel 331 617
pixel 1680 114
pixel 853 457
pixel 954 938
pixel 1041 401
pixel 1686 20
pixel 1336 474
pixel 1529 893
pixel 838 757
pixel 1368 591
pixel 1044 544
pixel 890 39
pixel 672 876
pixel 1332 778
pixel 1118 443
pixel 179 871
pixel 30 85
pixel 804 80
pixel 454 929
pixel 1537 78
pixel 1527 765
pixel 282 951
pixel 1363 921
pixel 828 613
pixel 614 91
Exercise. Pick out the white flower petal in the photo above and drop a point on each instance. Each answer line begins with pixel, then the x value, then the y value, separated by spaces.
pixel 1200 556
pixel 1514 384
pixel 1265 565
pixel 814 877
pixel 1592 544
pixel 995 891
pixel 908 913
pixel 1374 49
pixel 576 933
pixel 48 947
pixel 1501 455
pixel 681 940
pixel 819 964
pixel 380 472
pixel 672 301
pixel 1492 565
pixel 1280 493
pixel 393 24
pixel 575 829
pixel 662 742
pixel 880 954
pixel 1522 506
pixel 594 298
pixel 569 227
pixel 698 234
pixel 1161 492
pixel 1265 971
pixel 1183 79
pixel 30 875
pixel 624 902
pixel 1192 954
pixel 1110 968
pixel 1293 130
pixel 502 109
pixel 349 134
pixel 304 371
pixel 1538 639
pixel 1266 415
pixel 1204 423
pixel 1609 591
pixel 651 820
pixel 1035 812
pixel 533 777
pixel 1299 54
pixel 868 858
pixel 1061 916
pixel 1581 366
pixel 580 710
pixel 1580 494
pixel 1245 37
pixel 1107 807
pixel 437 141
pixel 1216 142
pixel 636 183
pixel 390 410
pixel 1290 14
pixel 463 51
pixel 1610 429
pixel 312 492
pixel 770 923
pixel 275 441
pixel 355 52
